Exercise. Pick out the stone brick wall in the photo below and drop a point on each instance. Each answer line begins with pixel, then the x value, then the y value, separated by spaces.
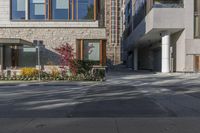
pixel 53 37
pixel 53 33
pixel 113 47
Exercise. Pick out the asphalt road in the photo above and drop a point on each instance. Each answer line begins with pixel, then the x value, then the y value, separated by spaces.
pixel 144 95
pixel 125 98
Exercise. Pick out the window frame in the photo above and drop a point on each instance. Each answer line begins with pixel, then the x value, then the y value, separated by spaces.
pixel 94 10
pixel 11 13
pixel 45 11
pixel 102 50
pixel 51 11
pixel 48 17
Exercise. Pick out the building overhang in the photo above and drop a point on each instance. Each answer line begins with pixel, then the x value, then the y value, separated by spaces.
pixel 15 42
pixel 158 20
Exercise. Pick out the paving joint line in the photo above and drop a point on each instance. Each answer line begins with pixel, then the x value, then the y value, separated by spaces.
pixel 26 124
pixel 117 126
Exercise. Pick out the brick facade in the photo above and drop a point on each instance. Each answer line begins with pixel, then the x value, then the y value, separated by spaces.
pixel 53 37
pixel 52 33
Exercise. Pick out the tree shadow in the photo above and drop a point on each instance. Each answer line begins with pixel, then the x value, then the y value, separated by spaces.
pixel 128 95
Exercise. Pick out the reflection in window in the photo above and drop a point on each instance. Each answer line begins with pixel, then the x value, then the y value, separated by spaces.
pixel 197 18
pixel 60 9
pixel 91 50
pixel 85 9
pixel 56 9
pixel 37 9
pixel 18 9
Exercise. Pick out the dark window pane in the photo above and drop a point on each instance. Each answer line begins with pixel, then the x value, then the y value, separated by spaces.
pixel 60 9
pixel 85 9
pixel 37 9
pixel 18 9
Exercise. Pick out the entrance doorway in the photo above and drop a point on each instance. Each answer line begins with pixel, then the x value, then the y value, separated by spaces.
pixel 157 59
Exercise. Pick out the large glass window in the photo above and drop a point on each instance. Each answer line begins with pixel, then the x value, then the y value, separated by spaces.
pixel 56 9
pixel 37 9
pixel 91 50
pixel 18 9
pixel 85 9
pixel 60 9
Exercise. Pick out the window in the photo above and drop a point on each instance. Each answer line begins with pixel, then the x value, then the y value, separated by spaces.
pixel 60 9
pixel 55 9
pixel 85 9
pixel 91 50
pixel 18 9
pixel 168 4
pixel 37 9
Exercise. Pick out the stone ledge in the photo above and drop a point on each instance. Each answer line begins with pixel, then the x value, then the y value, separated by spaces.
pixel 48 24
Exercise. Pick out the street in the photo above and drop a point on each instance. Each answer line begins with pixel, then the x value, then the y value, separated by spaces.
pixel 126 98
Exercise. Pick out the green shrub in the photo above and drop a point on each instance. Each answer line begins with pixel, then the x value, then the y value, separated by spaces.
pixel 85 67
pixel 99 74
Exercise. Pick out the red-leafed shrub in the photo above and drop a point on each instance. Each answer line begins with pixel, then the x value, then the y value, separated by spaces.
pixel 67 57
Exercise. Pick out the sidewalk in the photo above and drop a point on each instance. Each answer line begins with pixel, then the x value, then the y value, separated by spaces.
pixel 101 125
pixel 14 83
pixel 36 82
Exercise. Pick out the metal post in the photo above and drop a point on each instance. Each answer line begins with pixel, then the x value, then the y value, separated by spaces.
pixel 135 56
pixel 38 47
pixel 114 60
pixel 1 58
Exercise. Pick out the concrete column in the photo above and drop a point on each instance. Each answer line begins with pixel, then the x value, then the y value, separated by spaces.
pixel 166 53
pixel 135 59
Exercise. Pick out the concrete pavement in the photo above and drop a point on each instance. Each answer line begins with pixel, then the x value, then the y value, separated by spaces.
pixel 101 125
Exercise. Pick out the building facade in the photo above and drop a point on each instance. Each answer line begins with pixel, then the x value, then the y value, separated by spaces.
pixel 122 27
pixel 113 30
pixel 162 35
pixel 79 23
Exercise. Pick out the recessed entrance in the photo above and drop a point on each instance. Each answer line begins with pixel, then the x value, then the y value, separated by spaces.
pixel 157 59
pixel 14 56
